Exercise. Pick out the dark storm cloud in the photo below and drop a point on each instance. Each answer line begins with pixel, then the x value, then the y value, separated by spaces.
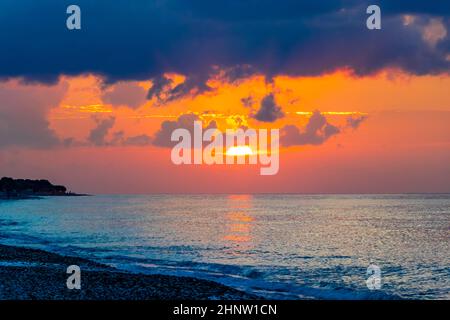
pixel 239 72
pixel 142 39
pixel 161 88
pixel 436 7
pixel 193 84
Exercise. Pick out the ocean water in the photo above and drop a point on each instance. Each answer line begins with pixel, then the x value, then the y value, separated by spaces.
pixel 276 246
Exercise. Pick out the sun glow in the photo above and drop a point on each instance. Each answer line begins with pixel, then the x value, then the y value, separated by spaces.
pixel 239 151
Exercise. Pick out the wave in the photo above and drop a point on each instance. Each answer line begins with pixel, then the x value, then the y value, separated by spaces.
pixel 249 279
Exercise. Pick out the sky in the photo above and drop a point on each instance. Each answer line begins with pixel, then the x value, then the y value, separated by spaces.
pixel 359 110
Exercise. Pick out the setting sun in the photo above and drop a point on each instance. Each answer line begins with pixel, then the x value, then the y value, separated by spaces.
pixel 239 151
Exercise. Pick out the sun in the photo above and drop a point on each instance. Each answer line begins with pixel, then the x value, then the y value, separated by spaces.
pixel 239 151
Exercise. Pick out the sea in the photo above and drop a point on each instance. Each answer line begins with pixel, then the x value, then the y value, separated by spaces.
pixel 277 246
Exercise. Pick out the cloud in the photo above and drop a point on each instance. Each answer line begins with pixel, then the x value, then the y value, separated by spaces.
pixel 316 132
pixel 269 111
pixel 98 134
pixel 247 101
pixel 159 86
pixel 239 72
pixel 192 85
pixel 415 7
pixel 354 122
pixel 127 94
pixel 118 138
pixel 141 40
pixel 139 140
pixel 162 137
pixel 434 32
pixel 23 114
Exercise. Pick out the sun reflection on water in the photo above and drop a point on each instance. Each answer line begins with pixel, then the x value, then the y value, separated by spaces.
pixel 239 219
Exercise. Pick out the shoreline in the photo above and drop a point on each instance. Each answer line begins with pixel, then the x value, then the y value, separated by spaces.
pixel 41 196
pixel 34 274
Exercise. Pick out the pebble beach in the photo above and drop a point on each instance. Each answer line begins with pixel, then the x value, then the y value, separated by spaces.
pixel 31 274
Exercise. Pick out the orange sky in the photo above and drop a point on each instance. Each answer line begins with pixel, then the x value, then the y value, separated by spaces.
pixel 402 146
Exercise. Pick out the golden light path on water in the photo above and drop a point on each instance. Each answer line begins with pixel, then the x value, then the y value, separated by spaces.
pixel 239 220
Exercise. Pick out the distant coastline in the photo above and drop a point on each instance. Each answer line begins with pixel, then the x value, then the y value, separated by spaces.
pixel 32 189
